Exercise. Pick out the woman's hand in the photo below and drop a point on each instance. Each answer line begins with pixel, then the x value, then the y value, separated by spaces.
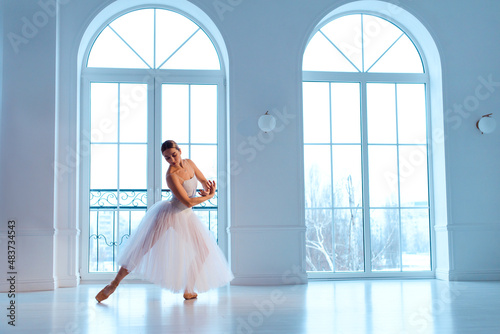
pixel 211 188
pixel 203 192
pixel 210 192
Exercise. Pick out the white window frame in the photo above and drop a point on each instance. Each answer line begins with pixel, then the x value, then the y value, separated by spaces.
pixel 154 78
pixel 363 78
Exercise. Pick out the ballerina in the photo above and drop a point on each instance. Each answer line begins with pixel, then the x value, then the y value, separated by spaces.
pixel 171 247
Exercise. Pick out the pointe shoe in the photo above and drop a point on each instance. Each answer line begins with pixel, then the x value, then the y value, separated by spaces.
pixel 190 295
pixel 106 292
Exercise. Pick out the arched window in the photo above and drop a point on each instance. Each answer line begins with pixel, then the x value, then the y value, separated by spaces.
pixel 151 74
pixel 365 150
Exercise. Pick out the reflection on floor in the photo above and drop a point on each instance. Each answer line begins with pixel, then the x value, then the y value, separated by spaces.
pixel 340 307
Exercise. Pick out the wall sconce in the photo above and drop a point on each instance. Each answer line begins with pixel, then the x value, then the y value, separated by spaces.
pixel 486 124
pixel 267 122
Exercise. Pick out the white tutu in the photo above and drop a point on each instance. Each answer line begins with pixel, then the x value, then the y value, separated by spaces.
pixel 172 248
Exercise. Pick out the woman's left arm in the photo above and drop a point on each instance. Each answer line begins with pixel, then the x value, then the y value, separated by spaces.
pixel 199 175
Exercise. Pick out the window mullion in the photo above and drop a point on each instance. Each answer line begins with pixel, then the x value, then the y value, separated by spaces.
pixel 117 213
pixel 365 177
pixel 331 174
pixel 154 139
pixel 397 166
pixel 362 45
pixel 189 120
pixel 430 178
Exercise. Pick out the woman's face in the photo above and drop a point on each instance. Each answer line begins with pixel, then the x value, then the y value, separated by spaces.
pixel 172 156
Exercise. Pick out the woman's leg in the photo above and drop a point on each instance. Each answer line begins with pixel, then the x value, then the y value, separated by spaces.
pixel 146 246
pixel 195 267
pixel 111 287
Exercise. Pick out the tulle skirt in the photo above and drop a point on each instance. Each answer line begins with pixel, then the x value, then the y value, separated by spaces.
pixel 171 247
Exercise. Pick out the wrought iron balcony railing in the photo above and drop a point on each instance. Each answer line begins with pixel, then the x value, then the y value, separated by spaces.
pixel 134 199
pixel 113 214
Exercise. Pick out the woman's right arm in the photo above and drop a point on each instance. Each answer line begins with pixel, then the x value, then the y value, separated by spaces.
pixel 174 183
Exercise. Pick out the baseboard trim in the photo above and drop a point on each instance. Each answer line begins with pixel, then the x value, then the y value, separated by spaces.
pixel 468 227
pixel 443 274
pixel 270 279
pixel 69 281
pixel 29 285
pixel 257 228
pixel 462 275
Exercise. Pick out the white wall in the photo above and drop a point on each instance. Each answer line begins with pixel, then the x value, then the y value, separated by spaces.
pixel 27 144
pixel 265 40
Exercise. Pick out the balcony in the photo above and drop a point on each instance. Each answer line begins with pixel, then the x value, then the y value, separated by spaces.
pixel 114 216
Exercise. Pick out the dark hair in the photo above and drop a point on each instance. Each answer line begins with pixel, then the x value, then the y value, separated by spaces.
pixel 169 144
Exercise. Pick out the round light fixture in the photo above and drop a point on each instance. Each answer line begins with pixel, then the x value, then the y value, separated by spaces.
pixel 486 124
pixel 267 122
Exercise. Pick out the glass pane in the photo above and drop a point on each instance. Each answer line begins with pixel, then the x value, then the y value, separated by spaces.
pixel 137 29
pixel 316 112
pixel 411 113
pixel 197 54
pixel 103 164
pixel 379 35
pixel 172 30
pixel 383 174
pixel 129 42
pixel 93 265
pixel 129 220
pixel 384 233
pixel 205 157
pixel 101 251
pixel 319 244
pixel 209 218
pixel 133 166
pixel 175 112
pixel 348 226
pixel 345 33
pixel 124 230
pixel 345 113
pixel 321 55
pixel 133 113
pixel 402 57
pixel 347 180
pixel 110 51
pixel 212 223
pixel 317 175
pixel 413 175
pixel 415 240
pixel 381 110
pixel 204 114
pixel 104 112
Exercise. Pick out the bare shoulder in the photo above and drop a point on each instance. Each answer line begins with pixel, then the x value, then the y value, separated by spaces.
pixel 172 176
pixel 191 162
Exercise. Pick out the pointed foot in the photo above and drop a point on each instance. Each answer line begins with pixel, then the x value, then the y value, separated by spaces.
pixel 105 293
pixel 190 295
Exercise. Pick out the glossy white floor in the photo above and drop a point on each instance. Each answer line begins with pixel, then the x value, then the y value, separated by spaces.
pixel 340 307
